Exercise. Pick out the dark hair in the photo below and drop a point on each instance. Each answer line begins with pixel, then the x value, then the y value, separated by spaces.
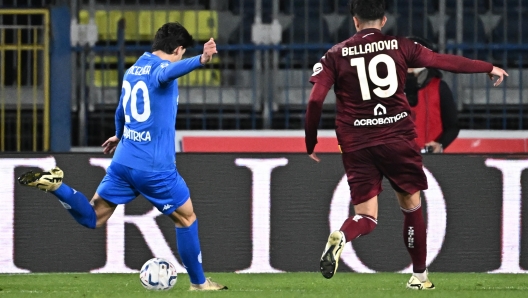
pixel 424 42
pixel 170 36
pixel 367 10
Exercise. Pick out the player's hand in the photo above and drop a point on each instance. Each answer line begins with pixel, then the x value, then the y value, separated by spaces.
pixel 497 72
pixel 110 145
pixel 314 157
pixel 437 147
pixel 208 51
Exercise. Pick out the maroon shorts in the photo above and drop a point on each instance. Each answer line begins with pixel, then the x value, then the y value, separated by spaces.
pixel 399 162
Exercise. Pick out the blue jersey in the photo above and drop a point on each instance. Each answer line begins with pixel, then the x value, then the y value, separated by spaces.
pixel 146 115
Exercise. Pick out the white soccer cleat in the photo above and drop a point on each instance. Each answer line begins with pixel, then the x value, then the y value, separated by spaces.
pixel 46 181
pixel 420 281
pixel 330 258
pixel 208 285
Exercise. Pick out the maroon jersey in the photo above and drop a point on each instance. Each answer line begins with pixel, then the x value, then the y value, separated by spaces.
pixel 368 72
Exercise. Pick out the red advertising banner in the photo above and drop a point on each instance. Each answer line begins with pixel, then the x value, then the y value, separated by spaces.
pixel 293 142
pixel 487 145
pixel 255 144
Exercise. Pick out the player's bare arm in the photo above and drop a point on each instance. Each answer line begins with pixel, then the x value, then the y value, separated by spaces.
pixel 208 51
pixel 110 145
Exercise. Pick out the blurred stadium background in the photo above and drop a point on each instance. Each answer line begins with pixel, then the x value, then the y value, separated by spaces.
pixel 61 62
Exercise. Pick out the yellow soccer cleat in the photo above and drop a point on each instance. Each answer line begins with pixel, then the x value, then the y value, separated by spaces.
pixel 46 181
pixel 208 285
pixel 330 258
pixel 415 283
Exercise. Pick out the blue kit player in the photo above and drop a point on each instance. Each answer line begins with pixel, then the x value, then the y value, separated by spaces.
pixel 144 159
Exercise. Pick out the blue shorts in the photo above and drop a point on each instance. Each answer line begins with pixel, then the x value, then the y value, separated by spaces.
pixel 167 191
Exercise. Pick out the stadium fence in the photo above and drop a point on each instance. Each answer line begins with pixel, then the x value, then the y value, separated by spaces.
pixel 259 79
pixel 24 79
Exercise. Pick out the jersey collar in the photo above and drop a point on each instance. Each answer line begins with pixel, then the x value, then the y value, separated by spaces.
pixel 368 30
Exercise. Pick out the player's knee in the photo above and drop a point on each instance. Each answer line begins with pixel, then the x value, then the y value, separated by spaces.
pixel 186 221
pixel 408 201
pixel 103 209
pixel 183 220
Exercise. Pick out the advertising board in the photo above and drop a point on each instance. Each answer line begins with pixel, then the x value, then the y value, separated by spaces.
pixel 270 213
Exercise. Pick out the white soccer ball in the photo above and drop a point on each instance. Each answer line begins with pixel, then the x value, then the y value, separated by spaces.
pixel 158 274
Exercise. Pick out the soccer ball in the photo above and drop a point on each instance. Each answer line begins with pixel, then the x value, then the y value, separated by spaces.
pixel 158 274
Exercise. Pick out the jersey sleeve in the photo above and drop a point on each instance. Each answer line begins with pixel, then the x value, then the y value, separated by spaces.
pixel 119 119
pixel 166 73
pixel 324 71
pixel 417 56
pixel 313 115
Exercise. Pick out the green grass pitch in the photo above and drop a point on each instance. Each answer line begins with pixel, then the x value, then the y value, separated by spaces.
pixel 449 285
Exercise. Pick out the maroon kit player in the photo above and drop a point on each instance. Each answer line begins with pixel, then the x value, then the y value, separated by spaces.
pixel 374 127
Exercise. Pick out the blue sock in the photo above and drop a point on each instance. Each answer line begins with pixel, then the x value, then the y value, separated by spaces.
pixel 77 204
pixel 190 253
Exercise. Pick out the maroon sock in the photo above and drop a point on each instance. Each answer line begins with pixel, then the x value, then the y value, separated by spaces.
pixel 415 237
pixel 359 225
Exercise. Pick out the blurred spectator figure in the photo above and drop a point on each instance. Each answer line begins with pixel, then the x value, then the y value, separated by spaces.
pixel 433 109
